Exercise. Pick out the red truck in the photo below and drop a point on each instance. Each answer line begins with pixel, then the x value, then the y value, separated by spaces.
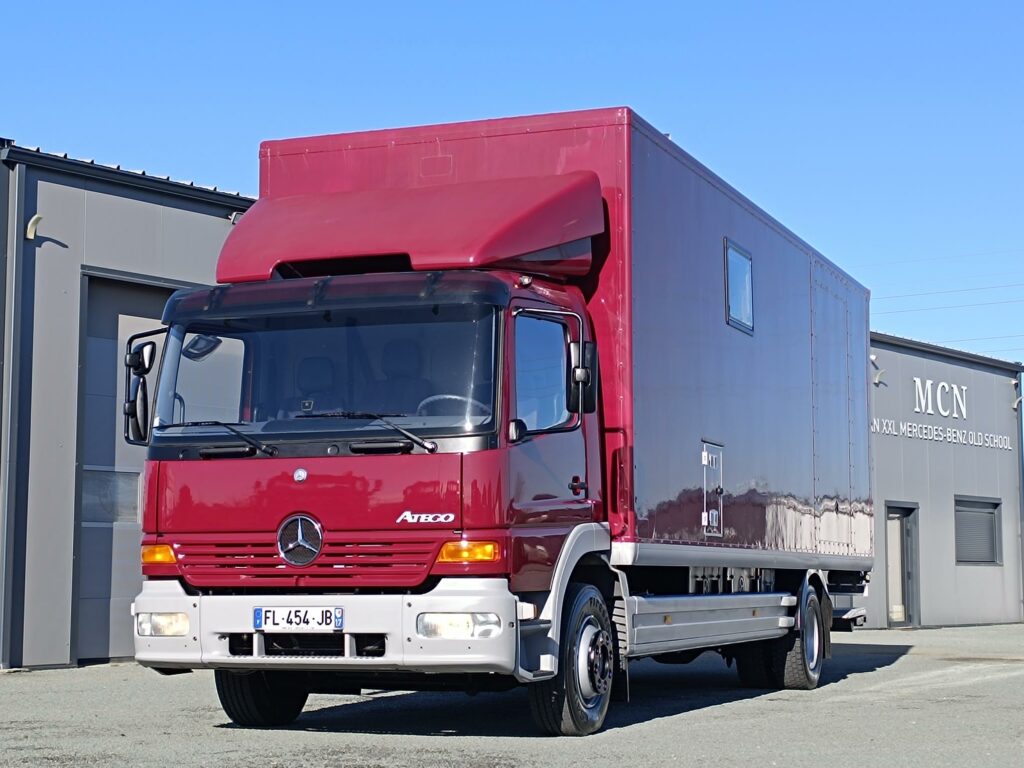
pixel 500 403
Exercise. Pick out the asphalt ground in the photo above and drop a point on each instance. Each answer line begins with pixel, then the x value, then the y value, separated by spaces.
pixel 937 697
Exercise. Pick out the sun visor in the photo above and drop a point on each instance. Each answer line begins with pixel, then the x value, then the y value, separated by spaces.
pixel 536 224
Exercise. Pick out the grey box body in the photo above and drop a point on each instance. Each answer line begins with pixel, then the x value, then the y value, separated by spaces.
pixel 785 407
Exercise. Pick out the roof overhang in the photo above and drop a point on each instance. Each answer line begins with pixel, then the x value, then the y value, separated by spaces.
pixel 11 155
pixel 877 337
pixel 533 224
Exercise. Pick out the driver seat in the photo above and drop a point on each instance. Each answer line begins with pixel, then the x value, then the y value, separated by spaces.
pixel 403 387
pixel 315 383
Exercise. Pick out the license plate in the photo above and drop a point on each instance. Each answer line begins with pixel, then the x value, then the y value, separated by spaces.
pixel 284 619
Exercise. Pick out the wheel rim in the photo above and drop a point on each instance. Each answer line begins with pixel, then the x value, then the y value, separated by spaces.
pixel 812 651
pixel 594 660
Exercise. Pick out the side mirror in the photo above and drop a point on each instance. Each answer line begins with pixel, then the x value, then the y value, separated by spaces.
pixel 136 411
pixel 583 378
pixel 140 360
pixel 516 430
pixel 590 391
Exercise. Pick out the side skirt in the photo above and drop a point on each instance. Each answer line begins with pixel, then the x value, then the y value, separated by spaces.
pixel 663 624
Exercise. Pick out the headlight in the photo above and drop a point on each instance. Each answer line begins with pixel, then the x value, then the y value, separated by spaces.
pixel 162 624
pixel 458 626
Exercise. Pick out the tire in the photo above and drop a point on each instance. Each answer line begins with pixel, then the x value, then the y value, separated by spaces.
pixel 795 660
pixel 575 701
pixel 259 699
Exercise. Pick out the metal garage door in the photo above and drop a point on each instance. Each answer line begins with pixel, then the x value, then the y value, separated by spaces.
pixel 109 575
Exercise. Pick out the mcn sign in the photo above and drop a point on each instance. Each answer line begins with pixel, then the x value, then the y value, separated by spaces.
pixel 948 400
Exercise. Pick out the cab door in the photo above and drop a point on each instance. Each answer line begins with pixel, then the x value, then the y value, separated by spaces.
pixel 549 483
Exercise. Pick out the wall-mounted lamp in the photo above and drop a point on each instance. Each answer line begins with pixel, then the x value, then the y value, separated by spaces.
pixel 33 225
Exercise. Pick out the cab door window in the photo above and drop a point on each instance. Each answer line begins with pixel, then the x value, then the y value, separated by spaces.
pixel 542 366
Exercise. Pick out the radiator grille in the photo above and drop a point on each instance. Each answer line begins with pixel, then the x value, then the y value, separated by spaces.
pixel 344 562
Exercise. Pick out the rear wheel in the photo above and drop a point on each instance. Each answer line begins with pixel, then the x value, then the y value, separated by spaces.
pixel 259 699
pixel 575 701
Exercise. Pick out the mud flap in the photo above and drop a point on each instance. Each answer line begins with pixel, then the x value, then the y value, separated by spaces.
pixel 826 623
pixel 620 680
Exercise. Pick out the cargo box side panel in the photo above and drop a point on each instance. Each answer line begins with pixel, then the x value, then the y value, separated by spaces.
pixel 830 373
pixel 839 369
pixel 862 504
pixel 723 418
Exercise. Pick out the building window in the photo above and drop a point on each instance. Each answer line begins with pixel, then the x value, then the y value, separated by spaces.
pixel 739 288
pixel 110 496
pixel 977 532
pixel 542 365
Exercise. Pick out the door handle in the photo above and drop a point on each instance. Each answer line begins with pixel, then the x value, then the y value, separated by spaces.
pixel 577 486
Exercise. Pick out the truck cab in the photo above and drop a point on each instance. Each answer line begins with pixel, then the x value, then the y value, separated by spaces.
pixel 421 426
pixel 372 472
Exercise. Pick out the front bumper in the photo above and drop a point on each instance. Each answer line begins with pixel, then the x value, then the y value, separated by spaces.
pixel 213 618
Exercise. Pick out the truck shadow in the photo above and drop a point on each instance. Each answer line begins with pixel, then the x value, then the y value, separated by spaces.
pixel 657 691
pixel 858 658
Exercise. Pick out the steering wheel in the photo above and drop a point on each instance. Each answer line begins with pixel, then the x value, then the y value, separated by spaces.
pixel 484 408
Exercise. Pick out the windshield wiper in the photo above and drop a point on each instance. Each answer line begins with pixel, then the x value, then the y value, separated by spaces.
pixel 260 446
pixel 427 445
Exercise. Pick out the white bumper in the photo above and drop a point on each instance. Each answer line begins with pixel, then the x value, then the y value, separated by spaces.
pixel 213 618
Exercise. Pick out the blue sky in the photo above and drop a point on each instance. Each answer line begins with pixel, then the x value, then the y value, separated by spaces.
pixel 890 136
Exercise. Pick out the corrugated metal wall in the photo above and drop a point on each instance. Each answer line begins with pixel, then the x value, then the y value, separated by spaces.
pixel 108 248
pixel 964 452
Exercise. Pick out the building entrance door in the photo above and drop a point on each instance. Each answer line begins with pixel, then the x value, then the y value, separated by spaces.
pixel 901 565
pixel 108 574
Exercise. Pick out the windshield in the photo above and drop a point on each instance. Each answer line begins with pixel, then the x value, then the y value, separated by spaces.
pixel 428 368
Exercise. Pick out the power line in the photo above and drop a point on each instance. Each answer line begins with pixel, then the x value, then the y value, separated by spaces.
pixel 1013 252
pixel 949 306
pixel 952 290
pixel 984 338
pixel 996 274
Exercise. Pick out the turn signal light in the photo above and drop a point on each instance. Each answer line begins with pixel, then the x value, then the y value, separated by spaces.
pixel 158 554
pixel 469 552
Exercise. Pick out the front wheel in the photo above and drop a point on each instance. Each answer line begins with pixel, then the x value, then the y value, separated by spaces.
pixel 575 701
pixel 795 661
pixel 259 699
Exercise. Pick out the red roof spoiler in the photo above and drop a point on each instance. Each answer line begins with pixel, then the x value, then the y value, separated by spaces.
pixel 505 223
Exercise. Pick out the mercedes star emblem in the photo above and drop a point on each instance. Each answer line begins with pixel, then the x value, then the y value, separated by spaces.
pixel 299 540
pixel 299 475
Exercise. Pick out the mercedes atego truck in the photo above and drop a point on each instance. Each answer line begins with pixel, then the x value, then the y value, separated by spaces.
pixel 494 404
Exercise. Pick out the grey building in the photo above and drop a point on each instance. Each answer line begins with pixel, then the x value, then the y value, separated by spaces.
pixel 91 253
pixel 946 440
